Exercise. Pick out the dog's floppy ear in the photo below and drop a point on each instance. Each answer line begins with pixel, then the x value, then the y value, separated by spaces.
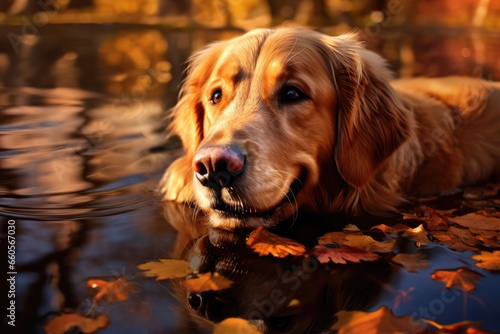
pixel 187 115
pixel 372 122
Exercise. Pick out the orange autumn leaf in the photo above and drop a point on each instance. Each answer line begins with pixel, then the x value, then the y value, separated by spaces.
pixel 166 269
pixel 235 325
pixel 390 229
pixel 377 322
pixel 412 262
pixel 490 190
pixel 63 323
pixel 461 278
pixel 419 234
pixel 478 221
pixel 110 291
pixel 488 260
pixel 342 254
pixel 435 220
pixel 357 240
pixel 264 243
pixel 208 282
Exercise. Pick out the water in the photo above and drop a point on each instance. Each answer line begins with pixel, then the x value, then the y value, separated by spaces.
pixel 82 148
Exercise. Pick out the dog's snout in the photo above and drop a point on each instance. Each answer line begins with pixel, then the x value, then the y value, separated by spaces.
pixel 218 166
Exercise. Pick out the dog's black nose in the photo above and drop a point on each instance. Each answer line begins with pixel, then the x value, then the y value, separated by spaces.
pixel 217 167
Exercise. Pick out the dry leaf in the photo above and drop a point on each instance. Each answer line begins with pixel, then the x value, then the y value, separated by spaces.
pixel 464 235
pixel 452 241
pixel 235 325
pixel 351 228
pixel 110 291
pixel 479 221
pixel 390 229
pixel 435 220
pixel 488 238
pixel 63 323
pixel 166 269
pixel 208 282
pixel 488 260
pixel 461 278
pixel 369 244
pixel 342 254
pixel 419 234
pixel 357 240
pixel 377 322
pixel 265 243
pixel 412 262
pixel 489 190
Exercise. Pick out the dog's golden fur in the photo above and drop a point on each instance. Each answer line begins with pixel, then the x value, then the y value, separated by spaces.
pixel 358 140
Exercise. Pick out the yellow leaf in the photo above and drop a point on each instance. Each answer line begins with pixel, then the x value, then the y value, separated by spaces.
pixel 419 234
pixel 235 325
pixel 166 269
pixel 265 243
pixel 412 262
pixel 463 278
pixel 377 322
pixel 488 260
pixel 369 244
pixel 61 324
pixel 208 282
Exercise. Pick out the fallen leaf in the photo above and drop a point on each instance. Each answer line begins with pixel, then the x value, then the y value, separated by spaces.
pixel 478 221
pixel 351 228
pixel 412 262
pixel 265 243
pixel 488 260
pixel 63 323
pixel 377 322
pixel 490 190
pixel 465 235
pixel 419 234
pixel 235 325
pixel 369 244
pixel 110 291
pixel 357 240
pixel 461 278
pixel 456 327
pixel 208 282
pixel 435 220
pixel 390 229
pixel 452 241
pixel 166 269
pixel 342 254
pixel 402 297
pixel 488 238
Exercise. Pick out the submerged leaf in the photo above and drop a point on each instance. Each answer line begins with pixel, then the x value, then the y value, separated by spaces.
pixel 412 262
pixel 377 322
pixel 235 325
pixel 488 260
pixel 63 323
pixel 342 254
pixel 208 282
pixel 166 269
pixel 110 291
pixel 461 278
pixel 267 243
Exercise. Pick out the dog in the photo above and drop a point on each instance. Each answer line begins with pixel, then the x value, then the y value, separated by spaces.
pixel 281 119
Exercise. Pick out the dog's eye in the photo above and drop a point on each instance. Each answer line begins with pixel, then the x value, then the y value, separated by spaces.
pixel 216 96
pixel 291 95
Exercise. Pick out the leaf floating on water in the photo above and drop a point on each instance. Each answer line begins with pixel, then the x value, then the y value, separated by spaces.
pixel 390 229
pixel 342 254
pixel 166 269
pixel 488 260
pixel 63 323
pixel 463 278
pixel 267 243
pixel 412 262
pixel 208 282
pixel 111 291
pixel 369 244
pixel 235 325
pixel 419 234
pixel 478 221
pixel 377 322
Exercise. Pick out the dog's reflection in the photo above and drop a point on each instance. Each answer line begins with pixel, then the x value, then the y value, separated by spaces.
pixel 296 294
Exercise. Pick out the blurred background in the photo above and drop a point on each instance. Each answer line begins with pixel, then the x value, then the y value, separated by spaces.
pixel 84 89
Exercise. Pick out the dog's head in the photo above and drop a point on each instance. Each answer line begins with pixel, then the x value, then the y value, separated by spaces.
pixel 280 119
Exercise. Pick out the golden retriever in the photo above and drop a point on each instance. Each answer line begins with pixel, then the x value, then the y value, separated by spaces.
pixel 277 120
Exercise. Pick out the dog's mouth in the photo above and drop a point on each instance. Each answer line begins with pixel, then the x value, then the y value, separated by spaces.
pixel 241 212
